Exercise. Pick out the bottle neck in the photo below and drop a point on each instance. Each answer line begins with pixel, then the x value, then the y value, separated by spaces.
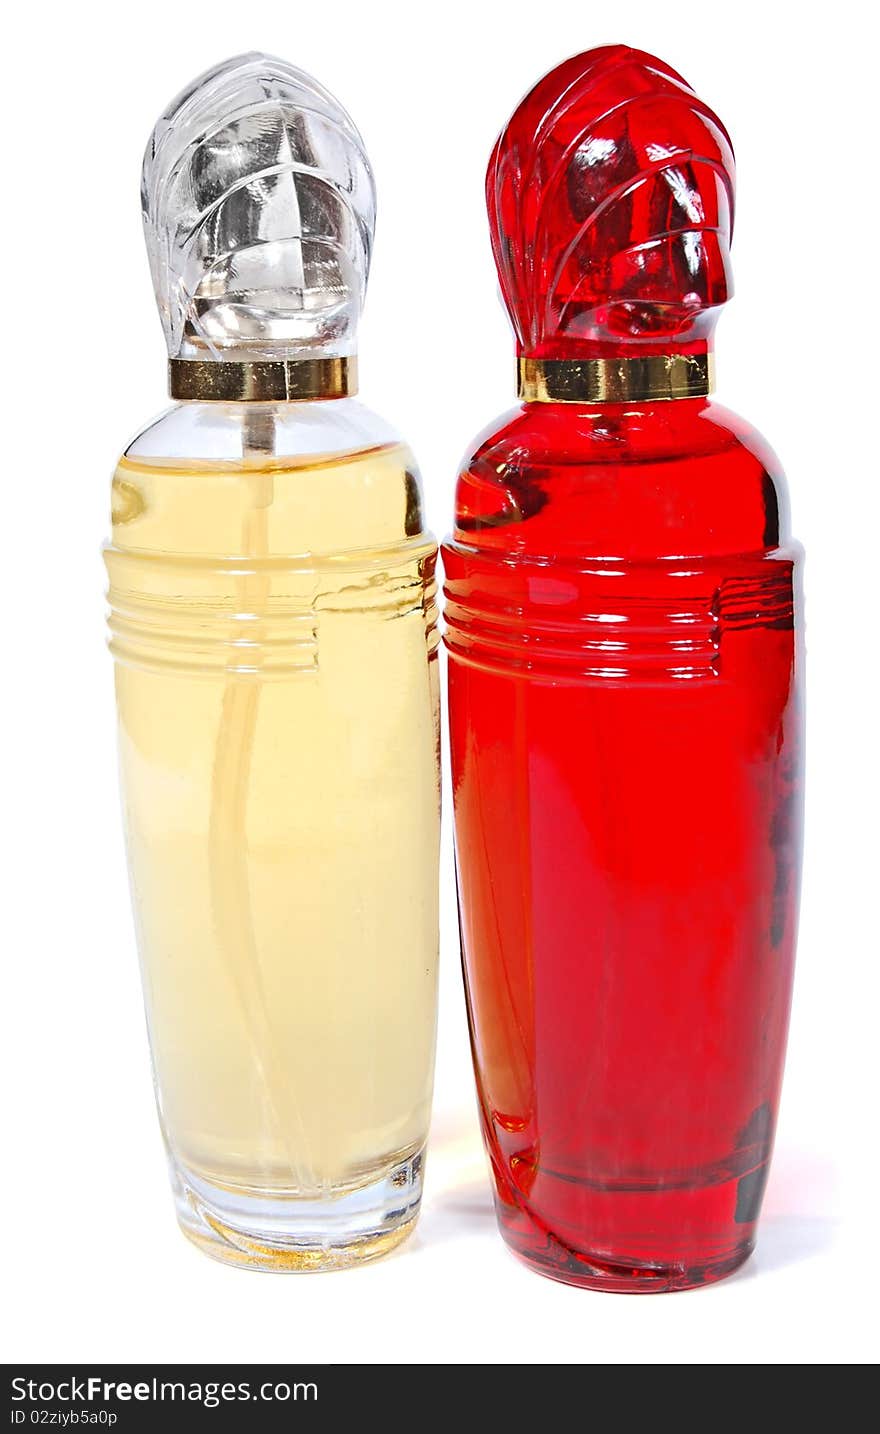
pixel 648 379
pixel 262 380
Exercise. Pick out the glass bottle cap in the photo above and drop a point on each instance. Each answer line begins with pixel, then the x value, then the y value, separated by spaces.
pixel 259 209
pixel 610 198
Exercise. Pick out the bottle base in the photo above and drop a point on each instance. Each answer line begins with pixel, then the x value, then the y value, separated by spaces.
pixel 290 1233
pixel 552 1258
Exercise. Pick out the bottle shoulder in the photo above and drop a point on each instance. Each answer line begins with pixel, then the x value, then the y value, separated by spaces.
pixel 665 479
pixel 231 432
pixel 321 478
pixel 564 435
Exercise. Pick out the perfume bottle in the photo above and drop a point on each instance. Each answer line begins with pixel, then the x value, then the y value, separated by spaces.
pixel 625 661
pixel 273 624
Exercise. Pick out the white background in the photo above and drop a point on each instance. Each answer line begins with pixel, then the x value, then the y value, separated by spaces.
pixel 93 1266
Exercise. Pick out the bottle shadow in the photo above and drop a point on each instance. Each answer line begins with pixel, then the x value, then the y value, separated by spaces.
pixel 789 1240
pixel 458 1196
pixel 799 1220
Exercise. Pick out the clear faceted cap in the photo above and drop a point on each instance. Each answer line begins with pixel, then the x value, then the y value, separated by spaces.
pixel 259 208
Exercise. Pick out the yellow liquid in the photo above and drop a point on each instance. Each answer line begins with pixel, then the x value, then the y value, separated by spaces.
pixel 273 625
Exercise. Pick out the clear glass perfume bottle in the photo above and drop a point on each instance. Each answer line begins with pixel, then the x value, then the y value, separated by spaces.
pixel 273 622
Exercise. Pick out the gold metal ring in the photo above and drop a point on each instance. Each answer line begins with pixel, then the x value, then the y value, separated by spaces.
pixel 621 380
pixel 263 381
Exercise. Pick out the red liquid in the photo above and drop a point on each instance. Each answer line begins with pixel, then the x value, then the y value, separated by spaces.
pixel 622 607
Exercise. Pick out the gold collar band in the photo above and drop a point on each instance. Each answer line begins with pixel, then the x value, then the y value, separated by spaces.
pixel 264 381
pixel 621 380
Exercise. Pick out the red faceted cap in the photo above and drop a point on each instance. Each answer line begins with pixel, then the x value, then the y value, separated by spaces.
pixel 610 197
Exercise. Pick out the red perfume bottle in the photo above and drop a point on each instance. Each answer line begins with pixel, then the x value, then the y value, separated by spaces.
pixel 625 661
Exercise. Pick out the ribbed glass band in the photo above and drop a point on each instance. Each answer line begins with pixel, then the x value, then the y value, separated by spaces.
pixel 619 380
pixel 263 381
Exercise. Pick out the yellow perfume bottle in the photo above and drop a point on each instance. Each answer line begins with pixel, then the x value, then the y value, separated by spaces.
pixel 273 623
